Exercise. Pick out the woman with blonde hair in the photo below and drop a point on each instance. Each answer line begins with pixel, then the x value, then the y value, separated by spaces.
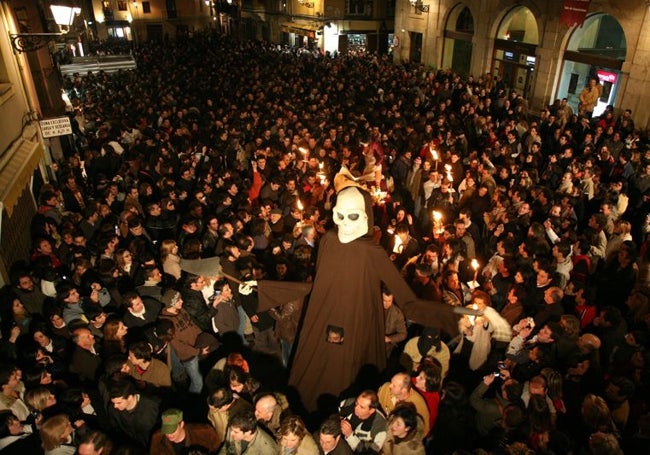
pixel 56 436
pixel 294 439
pixel 39 399
pixel 170 259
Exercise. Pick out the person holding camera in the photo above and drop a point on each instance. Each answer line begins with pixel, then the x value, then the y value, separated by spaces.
pixel 223 308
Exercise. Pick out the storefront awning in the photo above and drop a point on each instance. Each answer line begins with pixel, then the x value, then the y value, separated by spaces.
pixel 18 167
pixel 307 30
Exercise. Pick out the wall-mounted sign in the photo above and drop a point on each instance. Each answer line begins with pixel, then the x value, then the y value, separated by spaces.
pixel 52 127
pixel 574 12
pixel 607 76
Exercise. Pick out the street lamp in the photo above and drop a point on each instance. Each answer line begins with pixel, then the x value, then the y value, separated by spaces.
pixel 29 42
pixel 417 4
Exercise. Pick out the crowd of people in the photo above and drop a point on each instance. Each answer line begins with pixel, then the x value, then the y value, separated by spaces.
pixel 226 149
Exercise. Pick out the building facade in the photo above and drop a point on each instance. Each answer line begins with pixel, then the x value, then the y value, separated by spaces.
pixel 529 46
pixel 29 91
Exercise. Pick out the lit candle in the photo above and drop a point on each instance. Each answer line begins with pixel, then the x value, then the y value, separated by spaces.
pixel 304 152
pixel 474 264
pixel 435 156
pixel 300 208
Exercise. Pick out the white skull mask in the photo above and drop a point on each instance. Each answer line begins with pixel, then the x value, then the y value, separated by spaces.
pixel 350 215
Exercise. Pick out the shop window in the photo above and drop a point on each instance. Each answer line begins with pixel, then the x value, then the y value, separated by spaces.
pixel 519 25
pixel 595 50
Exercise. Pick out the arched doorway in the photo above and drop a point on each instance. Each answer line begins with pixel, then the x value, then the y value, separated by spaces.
pixel 514 57
pixel 596 50
pixel 459 32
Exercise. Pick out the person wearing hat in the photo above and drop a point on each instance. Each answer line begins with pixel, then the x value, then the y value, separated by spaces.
pixel 423 283
pixel 189 342
pixel 276 223
pixel 175 434
pixel 427 344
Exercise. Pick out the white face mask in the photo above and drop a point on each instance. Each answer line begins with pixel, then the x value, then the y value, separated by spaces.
pixel 350 215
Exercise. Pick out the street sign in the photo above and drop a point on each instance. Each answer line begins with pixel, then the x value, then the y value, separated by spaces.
pixel 52 127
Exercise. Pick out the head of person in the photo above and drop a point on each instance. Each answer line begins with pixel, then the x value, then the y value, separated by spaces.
pixel 291 433
pixel 221 399
pixel 55 431
pixel 133 302
pixel 173 426
pixel 549 333
pixel 172 300
pixel 429 375
pixel 140 353
pixel 95 443
pixel 114 330
pixel 83 338
pixel 400 385
pixel 329 434
pixel 123 395
pixel 10 425
pixel 403 421
pixel 366 404
pixel 39 398
pixel 243 426
pixel 265 406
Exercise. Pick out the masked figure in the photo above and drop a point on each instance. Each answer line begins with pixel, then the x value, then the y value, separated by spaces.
pixel 343 328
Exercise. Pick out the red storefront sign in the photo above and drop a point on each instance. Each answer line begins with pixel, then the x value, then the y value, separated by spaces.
pixel 606 76
pixel 574 12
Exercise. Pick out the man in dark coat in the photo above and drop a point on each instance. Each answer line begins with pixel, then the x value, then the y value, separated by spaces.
pixel 132 414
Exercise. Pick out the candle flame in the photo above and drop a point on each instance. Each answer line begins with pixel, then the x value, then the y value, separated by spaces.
pixel 299 205
pixel 474 264
pixel 437 216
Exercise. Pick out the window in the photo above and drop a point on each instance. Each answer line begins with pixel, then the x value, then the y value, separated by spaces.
pixel 121 5
pixel 108 10
pixel 171 9
pixel 146 7
pixel 358 8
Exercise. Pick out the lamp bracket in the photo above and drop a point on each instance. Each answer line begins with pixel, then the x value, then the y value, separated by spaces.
pixel 29 42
